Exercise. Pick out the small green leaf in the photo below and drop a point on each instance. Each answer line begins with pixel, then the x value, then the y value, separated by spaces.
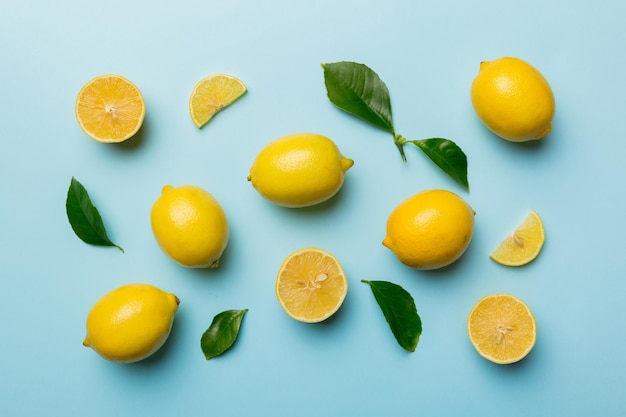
pixel 84 217
pixel 448 156
pixel 358 90
pixel 399 310
pixel 222 333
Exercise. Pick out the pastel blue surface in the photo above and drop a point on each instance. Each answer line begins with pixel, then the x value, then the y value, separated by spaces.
pixel 427 52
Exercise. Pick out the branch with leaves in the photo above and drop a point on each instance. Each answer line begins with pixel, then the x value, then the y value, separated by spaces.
pixel 358 90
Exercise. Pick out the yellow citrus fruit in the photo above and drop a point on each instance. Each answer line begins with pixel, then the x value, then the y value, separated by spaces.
pixel 502 328
pixel 131 322
pixel 523 245
pixel 110 108
pixel 190 226
pixel 513 99
pixel 212 94
pixel 311 285
pixel 299 170
pixel 430 230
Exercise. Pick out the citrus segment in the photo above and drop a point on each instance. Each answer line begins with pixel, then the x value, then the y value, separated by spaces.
pixel 523 245
pixel 110 108
pixel 311 285
pixel 502 328
pixel 211 95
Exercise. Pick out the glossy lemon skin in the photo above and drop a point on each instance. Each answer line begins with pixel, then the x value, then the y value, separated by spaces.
pixel 430 229
pixel 190 226
pixel 131 322
pixel 299 170
pixel 513 99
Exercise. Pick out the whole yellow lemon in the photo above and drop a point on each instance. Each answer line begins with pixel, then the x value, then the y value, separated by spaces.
pixel 131 322
pixel 190 226
pixel 513 99
pixel 299 170
pixel 430 230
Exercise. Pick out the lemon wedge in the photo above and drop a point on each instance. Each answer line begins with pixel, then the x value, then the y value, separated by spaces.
pixel 212 94
pixel 523 245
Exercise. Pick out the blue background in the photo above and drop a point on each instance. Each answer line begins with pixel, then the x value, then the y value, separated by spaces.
pixel 428 53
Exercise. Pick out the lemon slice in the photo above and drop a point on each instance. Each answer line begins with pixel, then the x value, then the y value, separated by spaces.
pixel 502 328
pixel 311 285
pixel 523 245
pixel 211 95
pixel 110 108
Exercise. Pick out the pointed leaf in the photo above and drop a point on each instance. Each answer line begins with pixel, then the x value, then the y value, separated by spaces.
pixel 358 90
pixel 448 156
pixel 84 217
pixel 399 310
pixel 222 333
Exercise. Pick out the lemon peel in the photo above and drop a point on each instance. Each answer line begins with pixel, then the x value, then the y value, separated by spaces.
pixel 513 99
pixel 430 229
pixel 131 322
pixel 190 226
pixel 299 170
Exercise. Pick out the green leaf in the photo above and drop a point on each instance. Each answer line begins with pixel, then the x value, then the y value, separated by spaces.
pixel 222 333
pixel 399 310
pixel 84 217
pixel 358 90
pixel 448 156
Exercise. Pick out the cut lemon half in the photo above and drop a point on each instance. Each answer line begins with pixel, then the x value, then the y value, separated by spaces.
pixel 523 245
pixel 110 108
pixel 311 285
pixel 211 95
pixel 502 328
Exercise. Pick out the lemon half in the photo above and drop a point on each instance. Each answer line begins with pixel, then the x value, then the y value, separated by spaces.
pixel 311 285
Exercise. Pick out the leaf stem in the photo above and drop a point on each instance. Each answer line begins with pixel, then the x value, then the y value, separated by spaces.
pixel 399 141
